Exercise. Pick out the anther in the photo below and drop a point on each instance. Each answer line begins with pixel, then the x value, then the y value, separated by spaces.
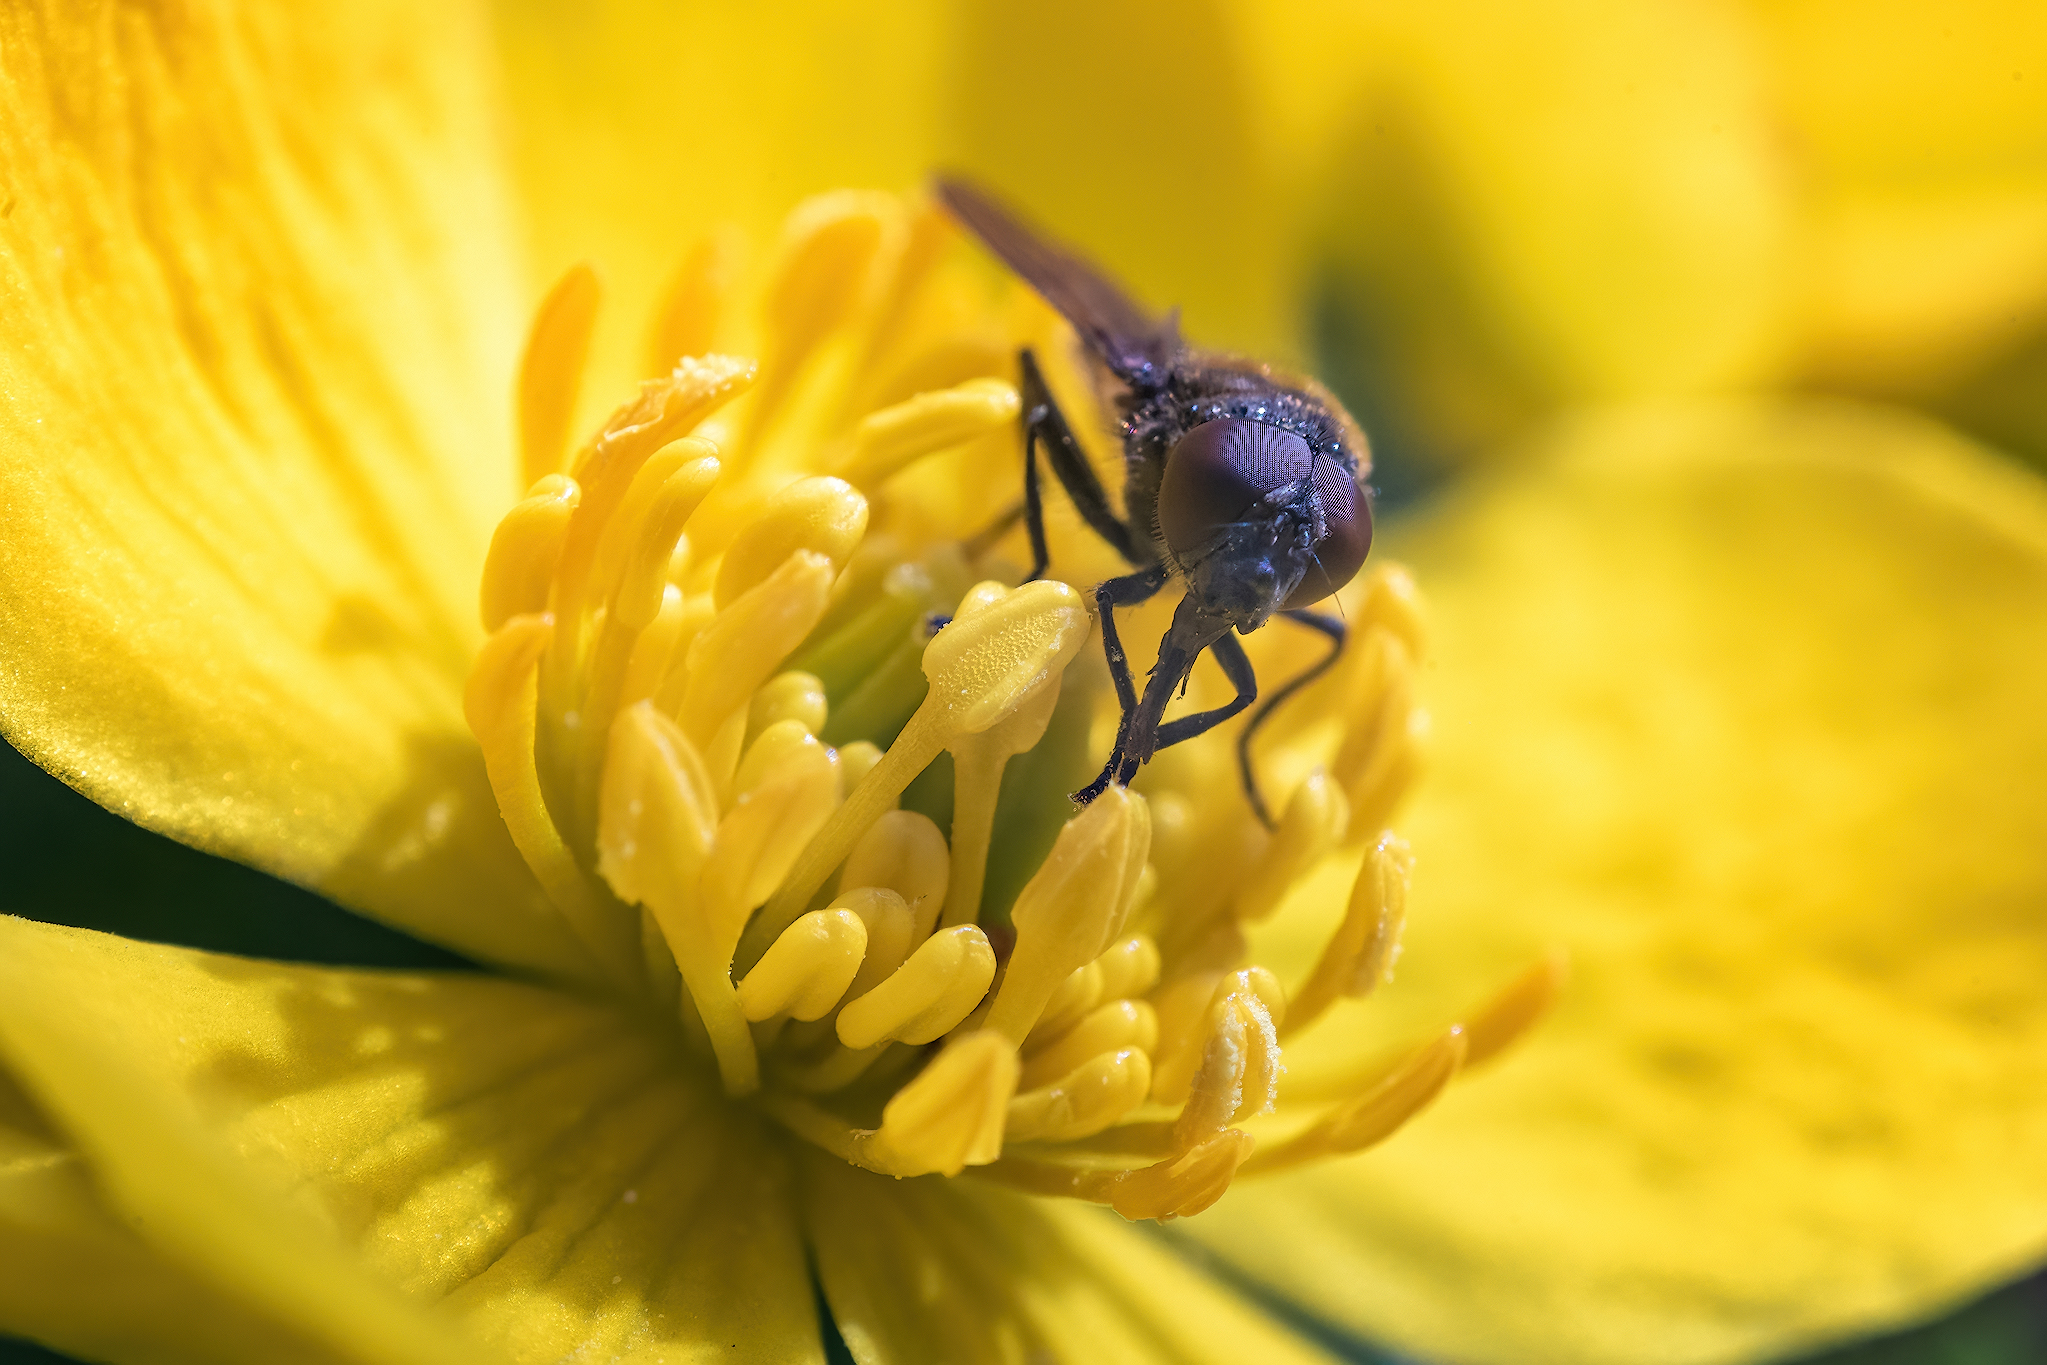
pixel 825 516
pixel 1083 1102
pixel 889 441
pixel 551 370
pixel 806 972
pixel 518 573
pixel 927 996
pixel 1361 954
pixel 787 696
pixel 1107 1028
pixel 951 1116
pixel 1073 907
pixel 747 641
pixel 903 851
pixel 1509 1014
pixel 1314 824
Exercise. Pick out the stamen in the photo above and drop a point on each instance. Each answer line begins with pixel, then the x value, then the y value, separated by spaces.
pixel 1381 750
pixel 905 852
pixel 1361 954
pixel 654 651
pixel 807 970
pixel 1314 823
pixel 519 570
pixel 1177 1187
pixel 978 762
pixel 1239 1071
pixel 828 257
pixel 746 642
pixel 1085 1101
pixel 1190 1014
pixel 1375 1115
pixel 826 516
pixel 927 997
pixel 622 538
pixel 750 853
pixel 499 704
pixel 689 320
pixel 889 441
pixel 951 1115
pixel 1510 1013
pixel 1000 650
pixel 891 934
pixel 551 370
pixel 788 696
pixel 1104 1029
pixel 1073 908
pixel 1080 992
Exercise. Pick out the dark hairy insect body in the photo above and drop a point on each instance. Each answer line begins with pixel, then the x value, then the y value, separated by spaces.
pixel 1243 483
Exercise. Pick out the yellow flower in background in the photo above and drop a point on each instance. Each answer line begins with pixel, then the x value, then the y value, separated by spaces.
pixel 1733 698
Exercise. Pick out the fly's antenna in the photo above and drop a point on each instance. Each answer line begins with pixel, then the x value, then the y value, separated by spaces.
pixel 1336 596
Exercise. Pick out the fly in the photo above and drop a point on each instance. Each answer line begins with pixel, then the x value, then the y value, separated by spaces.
pixel 1243 483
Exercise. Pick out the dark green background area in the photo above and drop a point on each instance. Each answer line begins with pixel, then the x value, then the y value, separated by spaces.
pixel 69 862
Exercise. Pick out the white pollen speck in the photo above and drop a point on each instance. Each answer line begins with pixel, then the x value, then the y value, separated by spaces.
pixel 616 1278
pixel 632 1196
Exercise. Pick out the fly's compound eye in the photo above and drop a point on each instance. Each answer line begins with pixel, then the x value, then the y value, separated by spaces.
pixel 1341 552
pixel 1218 471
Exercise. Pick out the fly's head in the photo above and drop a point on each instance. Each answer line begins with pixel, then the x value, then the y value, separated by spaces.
pixel 1258 522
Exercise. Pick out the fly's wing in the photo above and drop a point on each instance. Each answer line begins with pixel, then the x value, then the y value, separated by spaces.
pixel 1134 345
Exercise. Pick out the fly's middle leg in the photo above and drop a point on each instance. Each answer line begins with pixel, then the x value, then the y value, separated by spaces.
pixel 1045 428
pixel 1335 631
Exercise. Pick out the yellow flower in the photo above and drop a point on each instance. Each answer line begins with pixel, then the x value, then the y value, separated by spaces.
pixel 662 783
pixel 1735 700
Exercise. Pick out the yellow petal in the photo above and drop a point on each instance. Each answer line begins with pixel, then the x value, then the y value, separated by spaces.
pixel 401 1167
pixel 1742 708
pixel 1521 205
pixel 958 1270
pixel 74 1275
pixel 760 97
pixel 256 353
pixel 1918 134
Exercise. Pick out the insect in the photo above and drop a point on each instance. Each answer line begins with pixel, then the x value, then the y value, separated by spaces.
pixel 1243 483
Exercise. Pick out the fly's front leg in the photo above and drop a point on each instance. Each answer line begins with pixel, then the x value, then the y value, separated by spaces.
pixel 1236 666
pixel 1044 425
pixel 1336 632
pixel 1126 591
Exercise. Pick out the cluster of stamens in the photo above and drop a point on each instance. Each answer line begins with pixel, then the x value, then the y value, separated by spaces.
pixel 729 643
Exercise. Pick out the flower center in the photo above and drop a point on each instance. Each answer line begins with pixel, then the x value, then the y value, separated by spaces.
pixel 783 743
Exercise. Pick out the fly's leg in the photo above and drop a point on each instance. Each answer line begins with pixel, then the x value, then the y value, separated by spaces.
pixel 1126 591
pixel 1044 425
pixel 1335 630
pixel 1236 666
pixel 1142 734
pixel 1112 593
